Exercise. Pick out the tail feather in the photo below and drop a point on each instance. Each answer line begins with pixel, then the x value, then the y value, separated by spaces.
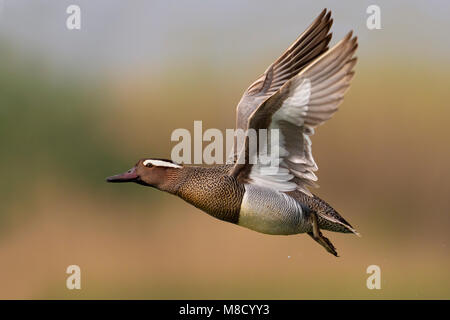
pixel 343 223
pixel 328 218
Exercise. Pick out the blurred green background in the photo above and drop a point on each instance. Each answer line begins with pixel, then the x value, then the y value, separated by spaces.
pixel 77 106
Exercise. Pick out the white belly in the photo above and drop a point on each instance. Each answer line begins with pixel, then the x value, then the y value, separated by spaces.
pixel 268 211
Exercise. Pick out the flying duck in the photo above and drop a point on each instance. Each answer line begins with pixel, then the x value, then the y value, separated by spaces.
pixel 298 92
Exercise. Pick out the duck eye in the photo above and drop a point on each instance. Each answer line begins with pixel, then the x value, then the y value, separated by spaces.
pixel 149 165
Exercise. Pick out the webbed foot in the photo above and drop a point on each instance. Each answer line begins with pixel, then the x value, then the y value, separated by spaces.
pixel 320 238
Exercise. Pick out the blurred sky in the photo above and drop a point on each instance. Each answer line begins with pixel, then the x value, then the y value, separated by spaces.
pixel 116 35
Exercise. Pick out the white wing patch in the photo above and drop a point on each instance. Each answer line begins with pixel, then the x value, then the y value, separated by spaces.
pixel 274 179
pixel 292 110
pixel 301 104
pixel 161 163
pixel 295 108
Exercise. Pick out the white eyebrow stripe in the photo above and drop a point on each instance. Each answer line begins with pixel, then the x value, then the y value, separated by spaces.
pixel 160 163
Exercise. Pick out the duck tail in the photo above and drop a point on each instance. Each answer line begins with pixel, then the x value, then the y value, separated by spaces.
pixel 330 219
pixel 340 221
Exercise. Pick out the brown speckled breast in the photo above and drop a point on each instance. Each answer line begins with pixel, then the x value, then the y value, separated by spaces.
pixel 212 190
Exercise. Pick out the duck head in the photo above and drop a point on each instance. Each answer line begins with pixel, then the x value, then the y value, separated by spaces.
pixel 148 172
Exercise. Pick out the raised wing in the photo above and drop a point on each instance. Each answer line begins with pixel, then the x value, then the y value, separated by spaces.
pixel 309 45
pixel 302 103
